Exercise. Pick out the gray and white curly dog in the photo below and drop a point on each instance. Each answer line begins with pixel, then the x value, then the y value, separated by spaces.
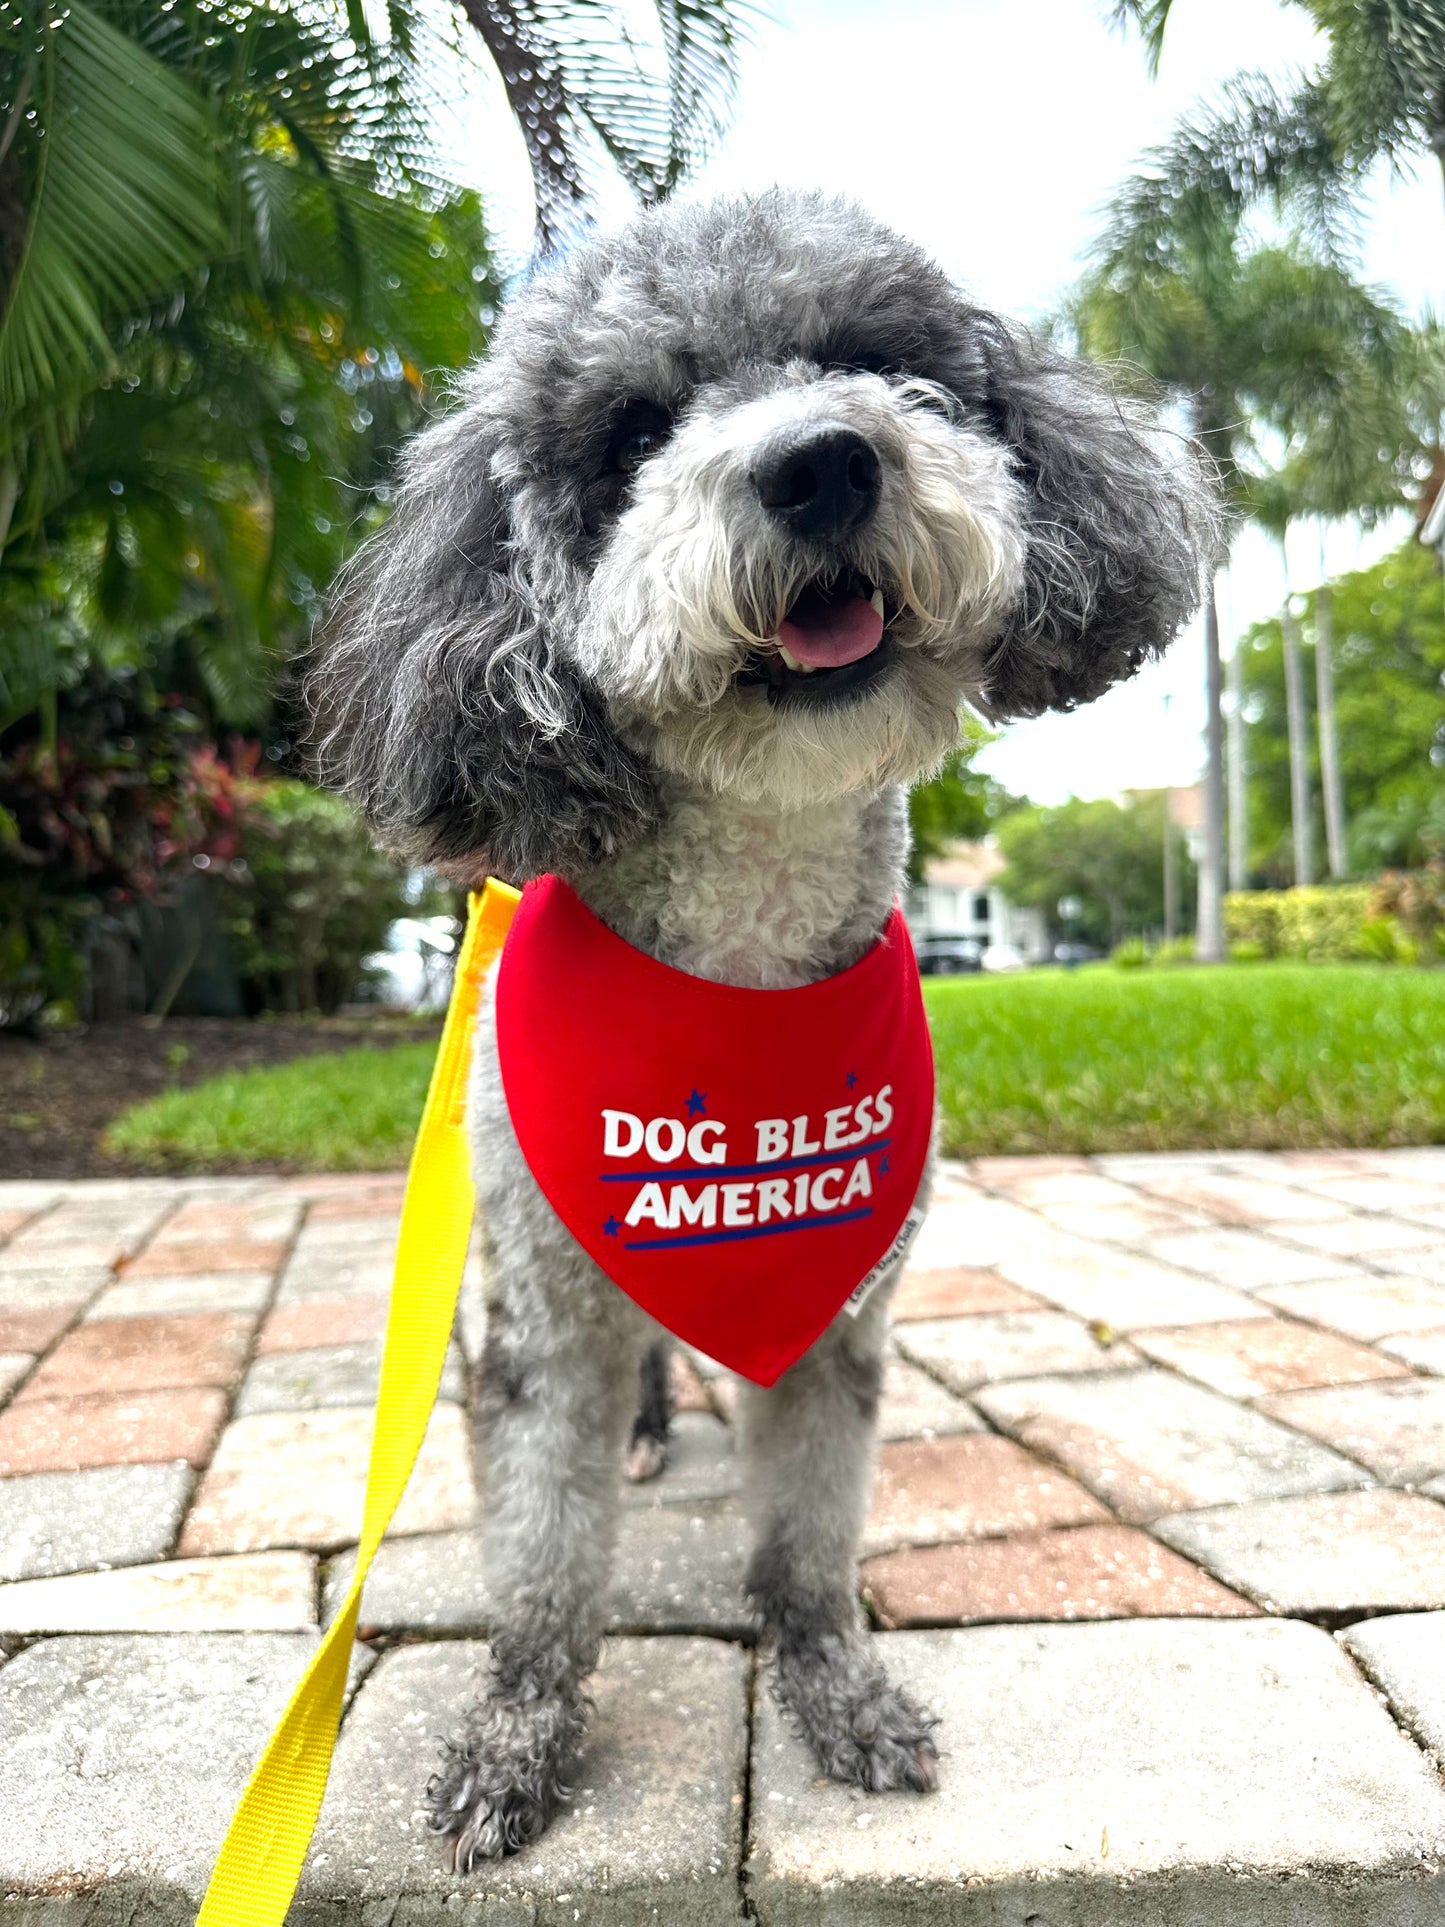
pixel 563 654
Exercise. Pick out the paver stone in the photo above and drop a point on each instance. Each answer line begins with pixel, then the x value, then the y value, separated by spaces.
pixel 238 1291
pixel 126 1428
pixel 913 1405
pixel 653 1831
pixel 1330 1552
pixel 1364 1307
pixel 1255 1356
pixel 1396 1426
pixel 298 1479
pixel 1243 1259
pixel 1405 1656
pixel 975 1487
pixel 122 1757
pixel 144 1354
pixel 255 1592
pixel 1123 1774
pixel 1123 1290
pixel 1090 1572
pixel 1151 1443
pixel 329 1375
pixel 114 1515
pixel 955 1291
pixel 965 1352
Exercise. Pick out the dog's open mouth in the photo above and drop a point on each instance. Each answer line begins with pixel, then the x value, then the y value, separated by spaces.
pixel 832 641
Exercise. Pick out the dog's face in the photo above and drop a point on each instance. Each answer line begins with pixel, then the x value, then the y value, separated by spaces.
pixel 751 496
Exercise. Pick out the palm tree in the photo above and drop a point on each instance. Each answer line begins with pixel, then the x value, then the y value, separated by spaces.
pixel 1247 342
pixel 1378 92
pixel 230 252
pixel 1360 423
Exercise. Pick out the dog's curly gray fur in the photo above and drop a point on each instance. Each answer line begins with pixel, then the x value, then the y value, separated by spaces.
pixel 538 666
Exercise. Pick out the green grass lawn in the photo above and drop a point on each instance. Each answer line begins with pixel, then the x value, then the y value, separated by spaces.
pixel 1258 1055
pixel 1264 1056
pixel 356 1111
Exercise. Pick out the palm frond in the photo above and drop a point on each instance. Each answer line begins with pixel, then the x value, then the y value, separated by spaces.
pixel 1384 73
pixel 1151 17
pixel 123 205
pixel 577 73
pixel 1256 141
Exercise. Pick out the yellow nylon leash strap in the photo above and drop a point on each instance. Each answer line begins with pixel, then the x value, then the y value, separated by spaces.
pixel 261 1857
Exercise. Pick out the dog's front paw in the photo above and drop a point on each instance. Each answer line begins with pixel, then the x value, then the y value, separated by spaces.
pixel 500 1784
pixel 883 1743
pixel 864 1732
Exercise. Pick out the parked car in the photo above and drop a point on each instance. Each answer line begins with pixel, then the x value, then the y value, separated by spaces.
pixel 1076 953
pixel 945 956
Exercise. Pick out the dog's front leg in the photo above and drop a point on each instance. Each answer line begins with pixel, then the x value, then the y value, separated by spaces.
pixel 558 1382
pixel 809 1442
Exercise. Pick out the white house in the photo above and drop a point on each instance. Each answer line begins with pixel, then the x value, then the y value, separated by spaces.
pixel 959 897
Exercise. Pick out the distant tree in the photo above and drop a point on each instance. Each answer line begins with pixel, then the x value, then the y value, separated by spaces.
pixel 1389 672
pixel 1261 346
pixel 1108 855
pixel 958 803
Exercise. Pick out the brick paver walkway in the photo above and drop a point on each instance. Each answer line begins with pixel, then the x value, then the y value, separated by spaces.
pixel 1157 1527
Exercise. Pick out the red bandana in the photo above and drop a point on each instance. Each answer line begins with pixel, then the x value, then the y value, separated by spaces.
pixel 742 1163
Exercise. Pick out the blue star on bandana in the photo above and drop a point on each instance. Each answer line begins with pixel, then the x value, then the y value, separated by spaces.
pixel 697 1103
pixel 612 1227
pixel 851 1079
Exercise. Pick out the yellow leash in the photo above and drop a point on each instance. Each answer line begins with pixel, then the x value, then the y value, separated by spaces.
pixel 261 1857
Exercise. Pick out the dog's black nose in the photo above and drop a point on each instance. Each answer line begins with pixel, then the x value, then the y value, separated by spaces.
pixel 820 481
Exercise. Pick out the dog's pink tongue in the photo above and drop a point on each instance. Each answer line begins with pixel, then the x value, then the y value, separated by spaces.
pixel 825 635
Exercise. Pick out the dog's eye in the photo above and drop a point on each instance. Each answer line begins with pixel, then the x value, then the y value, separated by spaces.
pixel 640 428
pixel 635 450
pixel 850 358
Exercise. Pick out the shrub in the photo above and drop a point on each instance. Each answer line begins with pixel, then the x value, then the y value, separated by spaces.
pixel 1322 923
pixel 1252 917
pixel 1246 953
pixel 1178 950
pixel 308 899
pixel 1317 923
pixel 42 952
pixel 1131 954
pixel 1383 941
pixel 95 818
pixel 1416 899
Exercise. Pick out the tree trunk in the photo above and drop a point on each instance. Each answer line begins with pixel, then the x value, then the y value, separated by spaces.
pixel 1329 740
pixel 1238 792
pixel 1171 874
pixel 1209 932
pixel 1299 775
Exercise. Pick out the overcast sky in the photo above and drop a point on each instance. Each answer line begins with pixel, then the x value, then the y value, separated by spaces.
pixel 991 131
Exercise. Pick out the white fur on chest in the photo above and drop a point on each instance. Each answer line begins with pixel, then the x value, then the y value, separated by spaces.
pixel 761 899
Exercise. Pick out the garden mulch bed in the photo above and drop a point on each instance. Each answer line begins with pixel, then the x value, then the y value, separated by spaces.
pixel 59 1093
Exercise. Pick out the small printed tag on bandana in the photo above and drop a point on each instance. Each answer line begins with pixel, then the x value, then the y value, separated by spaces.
pixel 860 1293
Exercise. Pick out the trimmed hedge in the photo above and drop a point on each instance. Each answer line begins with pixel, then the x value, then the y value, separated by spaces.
pixel 1316 923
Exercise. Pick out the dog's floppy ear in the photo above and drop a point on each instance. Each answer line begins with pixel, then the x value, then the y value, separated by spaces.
pixel 441 704
pixel 1123 519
